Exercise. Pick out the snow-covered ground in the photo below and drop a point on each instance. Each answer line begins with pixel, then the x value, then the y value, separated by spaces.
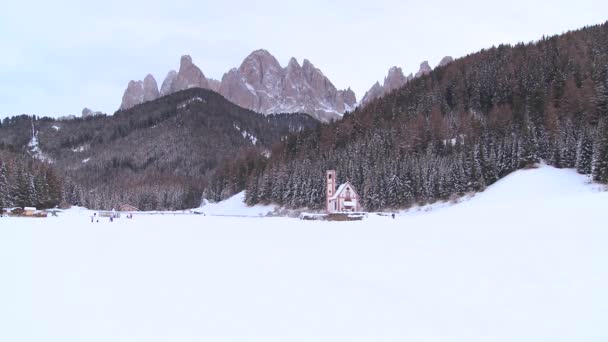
pixel 524 261
pixel 235 206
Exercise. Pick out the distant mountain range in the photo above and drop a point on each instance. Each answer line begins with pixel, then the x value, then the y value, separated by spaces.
pixel 261 84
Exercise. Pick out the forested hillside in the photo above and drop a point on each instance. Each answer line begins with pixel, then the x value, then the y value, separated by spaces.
pixel 27 182
pixel 457 129
pixel 157 155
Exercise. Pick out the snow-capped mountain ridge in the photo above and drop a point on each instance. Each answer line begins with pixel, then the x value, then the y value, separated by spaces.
pixel 260 83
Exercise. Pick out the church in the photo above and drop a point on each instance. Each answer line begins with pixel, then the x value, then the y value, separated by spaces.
pixel 344 199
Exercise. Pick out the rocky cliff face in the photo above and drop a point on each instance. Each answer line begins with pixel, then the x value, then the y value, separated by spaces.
pixel 150 89
pixel 374 92
pixel 214 84
pixel 349 99
pixel 263 85
pixel 87 112
pixel 134 95
pixel 425 68
pixel 139 92
pixel 446 60
pixel 395 79
pixel 165 89
pixel 260 83
pixel 188 76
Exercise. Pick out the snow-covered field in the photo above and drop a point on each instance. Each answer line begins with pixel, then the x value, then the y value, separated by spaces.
pixel 527 260
pixel 234 206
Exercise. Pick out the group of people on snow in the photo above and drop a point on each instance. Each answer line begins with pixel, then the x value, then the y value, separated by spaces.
pixel 113 215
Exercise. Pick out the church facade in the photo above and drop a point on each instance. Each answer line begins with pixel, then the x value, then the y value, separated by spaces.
pixel 343 199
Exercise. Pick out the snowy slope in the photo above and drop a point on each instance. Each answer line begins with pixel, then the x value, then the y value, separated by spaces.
pixel 235 206
pixel 523 261
pixel 538 187
pixel 540 184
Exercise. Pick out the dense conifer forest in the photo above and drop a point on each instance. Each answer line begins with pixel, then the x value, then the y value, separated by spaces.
pixel 26 182
pixel 458 129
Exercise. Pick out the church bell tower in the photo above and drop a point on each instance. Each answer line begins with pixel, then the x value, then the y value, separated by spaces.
pixel 330 180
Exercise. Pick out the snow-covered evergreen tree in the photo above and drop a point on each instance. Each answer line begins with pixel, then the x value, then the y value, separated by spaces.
pixel 600 160
pixel 584 153
pixel 5 196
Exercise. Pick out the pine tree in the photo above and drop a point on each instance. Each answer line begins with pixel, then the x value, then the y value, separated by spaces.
pixel 394 191
pixel 584 154
pixel 251 193
pixel 73 194
pixel 600 162
pixel 5 198
pixel 568 147
pixel 21 189
pixel 41 189
pixel 601 94
pixel 528 147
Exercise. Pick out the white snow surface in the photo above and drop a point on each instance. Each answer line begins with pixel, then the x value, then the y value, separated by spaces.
pixel 235 206
pixel 184 104
pixel 80 148
pixel 249 136
pixel 524 188
pixel 523 261
pixel 36 151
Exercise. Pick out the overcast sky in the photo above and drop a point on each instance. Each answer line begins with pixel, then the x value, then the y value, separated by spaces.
pixel 57 57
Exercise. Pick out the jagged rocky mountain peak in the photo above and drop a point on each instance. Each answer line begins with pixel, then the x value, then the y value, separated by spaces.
pixel 150 88
pixel 261 84
pixel 425 68
pixel 395 79
pixel 307 64
pixel 259 58
pixel 133 95
pixel 293 62
pixel 165 89
pixel 185 59
pixel 373 93
pixel 350 97
pixel 189 76
pixel 446 60
pixel 86 112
